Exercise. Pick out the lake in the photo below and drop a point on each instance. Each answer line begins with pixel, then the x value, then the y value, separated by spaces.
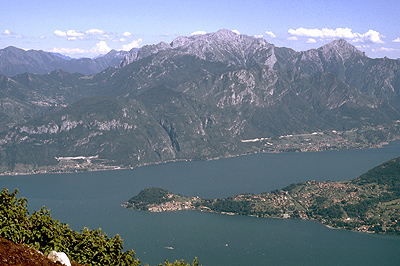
pixel 94 200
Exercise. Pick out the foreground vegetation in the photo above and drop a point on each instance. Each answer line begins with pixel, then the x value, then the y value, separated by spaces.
pixel 369 203
pixel 42 232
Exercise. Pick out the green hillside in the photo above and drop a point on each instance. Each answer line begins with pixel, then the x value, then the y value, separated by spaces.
pixel 369 203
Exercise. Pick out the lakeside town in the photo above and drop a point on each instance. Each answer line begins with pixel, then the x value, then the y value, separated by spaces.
pixel 369 207
pixel 306 142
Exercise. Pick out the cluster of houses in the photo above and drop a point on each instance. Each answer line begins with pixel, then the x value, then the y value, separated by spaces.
pixel 171 206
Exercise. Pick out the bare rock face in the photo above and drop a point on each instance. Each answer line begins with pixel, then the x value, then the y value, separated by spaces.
pixel 60 257
pixel 222 46
pixel 144 52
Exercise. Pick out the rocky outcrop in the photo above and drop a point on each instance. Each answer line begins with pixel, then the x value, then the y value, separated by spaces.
pixel 61 257
pixel 223 46
pixel 18 254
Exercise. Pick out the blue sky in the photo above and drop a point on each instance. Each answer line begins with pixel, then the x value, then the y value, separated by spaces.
pixel 88 28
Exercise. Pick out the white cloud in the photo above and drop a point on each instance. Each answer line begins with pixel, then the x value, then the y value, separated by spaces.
pixel 101 47
pixel 346 33
pixel 338 33
pixel 293 38
pixel 133 44
pixel 324 33
pixel 122 40
pixel 259 36
pixel 236 31
pixel 42 37
pixel 199 32
pixel 270 34
pixel 89 34
pixel 13 34
pixel 69 51
pixel 105 37
pixel 127 33
pixel 372 36
pixel 362 46
pixel 94 31
pixel 311 40
pixel 396 40
pixel 60 33
pixel 385 49
pixel 74 33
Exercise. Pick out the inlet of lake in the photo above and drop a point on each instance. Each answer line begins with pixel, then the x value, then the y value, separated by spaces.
pixel 94 199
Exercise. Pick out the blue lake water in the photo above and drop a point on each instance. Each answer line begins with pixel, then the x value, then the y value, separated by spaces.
pixel 93 200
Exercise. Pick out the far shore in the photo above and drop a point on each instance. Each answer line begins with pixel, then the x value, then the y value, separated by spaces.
pixel 91 167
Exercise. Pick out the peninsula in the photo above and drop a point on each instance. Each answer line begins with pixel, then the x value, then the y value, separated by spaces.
pixel 369 203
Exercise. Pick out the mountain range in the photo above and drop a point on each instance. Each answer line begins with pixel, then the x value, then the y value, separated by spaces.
pixel 200 97
pixel 14 61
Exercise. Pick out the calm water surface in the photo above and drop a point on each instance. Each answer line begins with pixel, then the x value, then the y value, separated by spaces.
pixel 94 199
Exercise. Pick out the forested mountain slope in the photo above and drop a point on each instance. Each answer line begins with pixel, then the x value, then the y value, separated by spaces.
pixel 200 97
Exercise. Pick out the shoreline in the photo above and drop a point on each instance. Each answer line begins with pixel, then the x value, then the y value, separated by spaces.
pixel 271 217
pixel 81 169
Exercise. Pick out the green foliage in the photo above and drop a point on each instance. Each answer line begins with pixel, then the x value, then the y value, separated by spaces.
pixel 331 212
pixel 41 231
pixel 14 220
pixel 356 210
pixel 386 174
pixel 231 205
pixel 180 263
pixel 147 196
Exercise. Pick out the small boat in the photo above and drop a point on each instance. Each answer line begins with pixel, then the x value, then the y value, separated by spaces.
pixel 169 247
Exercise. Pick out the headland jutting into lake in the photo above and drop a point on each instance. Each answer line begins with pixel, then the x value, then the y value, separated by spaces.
pixel 369 203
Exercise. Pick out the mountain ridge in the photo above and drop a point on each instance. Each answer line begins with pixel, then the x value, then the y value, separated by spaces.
pixel 198 98
pixel 14 61
pixel 213 47
pixel 337 57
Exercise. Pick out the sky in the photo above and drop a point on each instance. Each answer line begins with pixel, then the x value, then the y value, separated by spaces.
pixel 89 28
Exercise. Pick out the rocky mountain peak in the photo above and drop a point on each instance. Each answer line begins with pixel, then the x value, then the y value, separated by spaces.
pixel 143 52
pixel 228 47
pixel 180 41
pixel 9 49
pixel 341 47
pixel 115 54
pixel 222 46
pixel 223 35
